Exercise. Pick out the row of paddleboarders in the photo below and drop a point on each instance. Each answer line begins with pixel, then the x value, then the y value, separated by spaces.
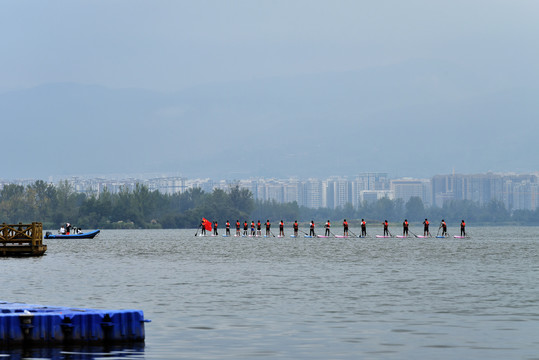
pixel 255 229
pixel 426 226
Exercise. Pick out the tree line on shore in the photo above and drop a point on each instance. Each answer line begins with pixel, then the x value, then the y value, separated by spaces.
pixel 54 205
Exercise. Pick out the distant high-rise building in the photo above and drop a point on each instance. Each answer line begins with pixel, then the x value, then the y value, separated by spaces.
pixel 312 193
pixel 407 188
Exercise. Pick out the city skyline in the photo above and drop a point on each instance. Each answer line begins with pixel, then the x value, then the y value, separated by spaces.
pixel 516 191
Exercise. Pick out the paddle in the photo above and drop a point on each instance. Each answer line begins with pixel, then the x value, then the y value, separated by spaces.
pixel 412 233
pixel 271 232
pixel 307 234
pixel 196 234
pixel 350 231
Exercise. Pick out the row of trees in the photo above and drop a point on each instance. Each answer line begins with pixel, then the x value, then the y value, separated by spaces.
pixel 142 208
pixel 139 208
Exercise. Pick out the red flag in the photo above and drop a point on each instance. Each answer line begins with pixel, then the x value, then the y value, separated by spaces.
pixel 207 224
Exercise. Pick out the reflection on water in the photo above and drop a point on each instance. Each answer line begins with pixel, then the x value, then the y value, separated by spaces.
pixel 134 351
pixel 215 297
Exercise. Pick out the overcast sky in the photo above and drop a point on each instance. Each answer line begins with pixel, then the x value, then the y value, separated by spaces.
pixel 171 46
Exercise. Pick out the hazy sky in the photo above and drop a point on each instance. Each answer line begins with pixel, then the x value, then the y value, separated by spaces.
pixel 170 45
pixel 483 58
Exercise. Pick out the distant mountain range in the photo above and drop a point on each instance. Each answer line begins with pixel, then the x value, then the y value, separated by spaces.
pixel 413 119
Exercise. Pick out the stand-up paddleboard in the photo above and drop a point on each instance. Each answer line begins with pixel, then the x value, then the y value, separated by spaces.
pixel 342 236
pixel 383 236
pixel 402 236
pixel 441 237
pixel 309 236
pixel 323 236
pixel 292 236
pixel 461 237
pixel 224 235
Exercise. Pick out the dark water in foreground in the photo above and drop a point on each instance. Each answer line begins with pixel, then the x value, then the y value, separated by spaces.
pixel 233 298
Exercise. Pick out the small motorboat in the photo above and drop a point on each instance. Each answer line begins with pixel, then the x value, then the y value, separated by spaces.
pixel 82 235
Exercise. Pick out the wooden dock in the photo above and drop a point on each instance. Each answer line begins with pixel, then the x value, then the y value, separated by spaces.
pixel 22 239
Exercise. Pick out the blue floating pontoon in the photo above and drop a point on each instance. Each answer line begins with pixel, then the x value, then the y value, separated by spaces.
pixel 39 325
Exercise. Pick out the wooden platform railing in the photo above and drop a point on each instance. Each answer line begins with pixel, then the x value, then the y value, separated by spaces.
pixel 22 239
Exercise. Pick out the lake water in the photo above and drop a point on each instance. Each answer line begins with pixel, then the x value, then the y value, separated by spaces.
pixel 246 298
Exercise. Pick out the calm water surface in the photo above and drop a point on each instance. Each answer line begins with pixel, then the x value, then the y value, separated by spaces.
pixel 233 298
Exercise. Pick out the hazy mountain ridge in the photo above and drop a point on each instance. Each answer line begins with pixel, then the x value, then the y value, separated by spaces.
pixel 411 119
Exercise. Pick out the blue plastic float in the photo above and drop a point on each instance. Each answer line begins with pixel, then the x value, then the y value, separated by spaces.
pixel 39 325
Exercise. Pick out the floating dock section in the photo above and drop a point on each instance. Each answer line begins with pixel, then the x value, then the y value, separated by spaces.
pixel 24 324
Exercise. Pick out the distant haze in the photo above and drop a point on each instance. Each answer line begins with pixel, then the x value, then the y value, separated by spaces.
pixel 268 88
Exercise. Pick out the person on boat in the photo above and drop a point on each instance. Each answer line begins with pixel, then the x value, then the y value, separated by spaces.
pixel 345 227
pixel 253 232
pixel 296 228
pixel 311 229
pixel 68 228
pixel 227 228
pixel 426 228
pixel 245 227
pixel 405 228
pixel 363 228
pixel 386 228
pixel 62 230
pixel 203 225
pixel 281 228
pixel 327 226
pixel 238 226
pixel 443 226
pixel 268 228
pixel 258 228
pixel 79 231
pixel 215 228
pixel 462 228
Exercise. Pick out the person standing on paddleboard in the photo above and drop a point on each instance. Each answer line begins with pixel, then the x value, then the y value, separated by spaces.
pixel 327 226
pixel 405 228
pixel 253 231
pixel 363 228
pixel 281 228
pixel 443 225
pixel 245 227
pixel 311 231
pixel 462 228
pixel 268 227
pixel 215 228
pixel 345 227
pixel 386 228
pixel 227 228
pixel 238 226
pixel 426 227
pixel 296 228
pixel 203 224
